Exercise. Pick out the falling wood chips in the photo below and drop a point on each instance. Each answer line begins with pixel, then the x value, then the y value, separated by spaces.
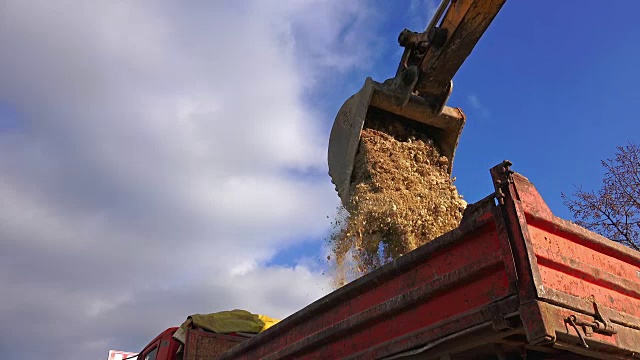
pixel 401 197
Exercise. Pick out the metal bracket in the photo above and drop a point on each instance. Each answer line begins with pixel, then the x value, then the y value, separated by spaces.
pixel 402 84
pixel 403 87
pixel 498 320
pixel 415 45
pixel 413 40
pixel 419 42
pixel 601 325
pixel 506 178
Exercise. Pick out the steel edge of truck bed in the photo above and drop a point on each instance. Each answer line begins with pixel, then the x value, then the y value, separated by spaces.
pixel 523 302
pixel 361 284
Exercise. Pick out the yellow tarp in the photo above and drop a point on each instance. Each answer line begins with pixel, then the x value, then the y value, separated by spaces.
pixel 225 322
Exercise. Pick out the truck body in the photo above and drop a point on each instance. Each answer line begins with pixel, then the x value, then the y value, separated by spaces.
pixel 199 344
pixel 512 281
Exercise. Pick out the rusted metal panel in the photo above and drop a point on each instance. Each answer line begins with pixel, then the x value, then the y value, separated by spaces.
pixel 576 261
pixel 461 272
pixel 624 344
pixel 507 195
pixel 458 343
pixel 535 323
pixel 493 320
pixel 511 277
pixel 202 345
pixel 582 282
pixel 469 288
pixel 586 306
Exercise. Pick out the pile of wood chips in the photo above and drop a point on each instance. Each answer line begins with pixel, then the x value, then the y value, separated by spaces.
pixel 401 197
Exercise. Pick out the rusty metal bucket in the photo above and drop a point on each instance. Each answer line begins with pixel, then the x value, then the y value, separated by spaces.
pixel 443 124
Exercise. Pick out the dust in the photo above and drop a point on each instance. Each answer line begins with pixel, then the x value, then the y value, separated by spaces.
pixel 401 197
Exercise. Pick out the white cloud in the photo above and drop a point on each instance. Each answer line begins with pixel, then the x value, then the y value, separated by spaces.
pixel 477 107
pixel 150 175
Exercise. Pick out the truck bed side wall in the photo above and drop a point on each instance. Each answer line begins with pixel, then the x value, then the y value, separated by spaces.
pixel 403 303
pixel 203 345
pixel 576 271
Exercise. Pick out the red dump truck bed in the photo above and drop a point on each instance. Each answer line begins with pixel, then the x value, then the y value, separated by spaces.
pixel 511 280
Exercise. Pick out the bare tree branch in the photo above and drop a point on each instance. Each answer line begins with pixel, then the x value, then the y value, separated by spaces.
pixel 614 209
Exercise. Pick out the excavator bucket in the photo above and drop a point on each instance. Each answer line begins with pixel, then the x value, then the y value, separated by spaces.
pixel 419 91
pixel 380 102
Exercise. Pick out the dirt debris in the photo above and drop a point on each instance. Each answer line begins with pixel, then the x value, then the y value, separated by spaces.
pixel 401 197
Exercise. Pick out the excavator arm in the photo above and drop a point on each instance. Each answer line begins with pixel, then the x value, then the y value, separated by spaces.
pixel 420 89
pixel 440 50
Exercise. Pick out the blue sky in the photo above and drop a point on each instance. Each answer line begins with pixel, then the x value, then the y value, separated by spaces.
pixel 558 82
pixel 171 159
